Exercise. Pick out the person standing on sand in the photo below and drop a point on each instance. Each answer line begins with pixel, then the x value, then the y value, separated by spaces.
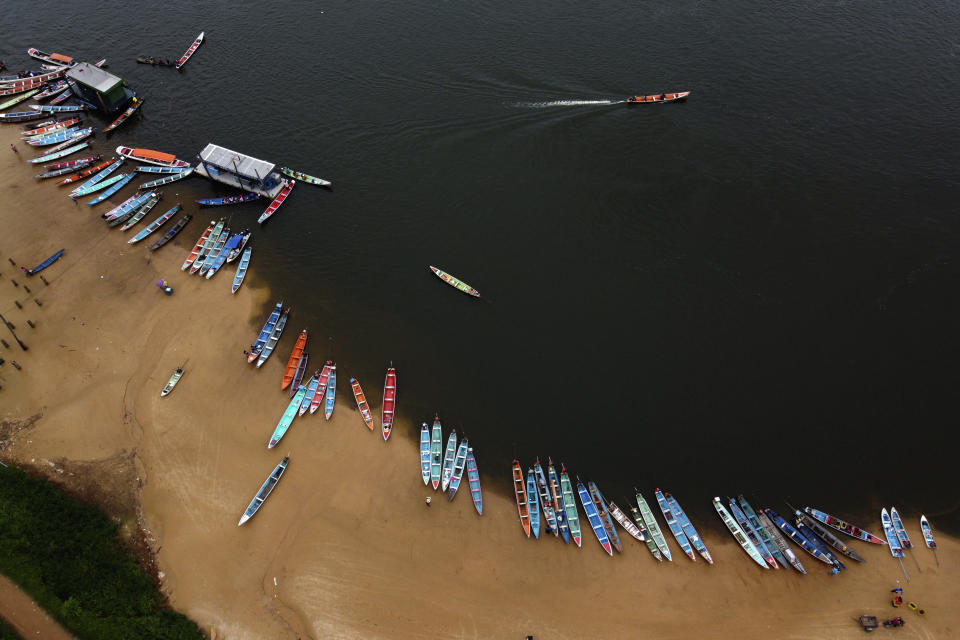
pixel 428 501
pixel 14 147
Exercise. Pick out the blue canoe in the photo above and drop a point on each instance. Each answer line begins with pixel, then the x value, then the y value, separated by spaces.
pixel 217 202
pixel 331 392
pixel 46 263
pixel 242 268
pixel 560 505
pixel 156 224
pixel 752 533
pixel 675 527
pixel 473 476
pixel 815 540
pixel 533 502
pixel 265 333
pixel 605 516
pixel 425 452
pixel 762 532
pixel 797 537
pixel 221 258
pixel 594 517
pixel 546 501
pixel 100 175
pixel 687 527
pixel 311 389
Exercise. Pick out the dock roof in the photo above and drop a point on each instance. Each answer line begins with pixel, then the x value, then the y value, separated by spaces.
pixel 237 163
pixel 94 77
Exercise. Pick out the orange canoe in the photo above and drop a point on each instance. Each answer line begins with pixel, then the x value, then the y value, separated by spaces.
pixel 294 360
pixel 362 403
pixel 661 97
pixel 521 491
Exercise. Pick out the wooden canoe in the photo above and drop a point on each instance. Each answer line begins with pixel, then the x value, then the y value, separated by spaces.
pixel 521 494
pixel 294 360
pixel 389 402
pixel 362 403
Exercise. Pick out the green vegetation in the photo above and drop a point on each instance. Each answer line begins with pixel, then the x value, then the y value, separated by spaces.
pixel 7 632
pixel 68 557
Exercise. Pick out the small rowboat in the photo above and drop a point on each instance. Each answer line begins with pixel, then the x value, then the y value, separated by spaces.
pixel 845 527
pixel 892 540
pixel 156 224
pixel 86 172
pixel 797 537
pixel 218 244
pixel 448 455
pixel 63 97
pixel 60 154
pixel 827 536
pixel 648 518
pixel 601 505
pixel 593 516
pixel 311 390
pixel 57 59
pixel 436 454
pixel 781 543
pixel 752 534
pixel 304 177
pixel 172 231
pixel 317 398
pixel 570 506
pixel 424 452
pixel 160 62
pixel 58 108
pixel 145 208
pixel 143 168
pixel 473 477
pixel 459 464
pixel 50 128
pixel 174 379
pixel 523 508
pixel 135 104
pixel 265 491
pixel 556 493
pixel 688 529
pixel 662 97
pixel 103 173
pixel 287 418
pixel 217 202
pixel 331 392
pixel 232 243
pixel 455 283
pixel 212 231
pixel 59 172
pixel 274 338
pixel 21 116
pixel 242 269
pixel 546 500
pixel 674 525
pixel 119 184
pixel 189 52
pixel 152 157
pixel 389 403
pixel 20 98
pixel 761 531
pixel 46 263
pixel 927 532
pixel 362 403
pixel 738 533
pixel 167 179
pixel 236 251
pixel 126 208
pixel 100 185
pixel 624 521
pixel 294 360
pixel 899 528
pixel 534 501
pixel 300 372
pixel 279 200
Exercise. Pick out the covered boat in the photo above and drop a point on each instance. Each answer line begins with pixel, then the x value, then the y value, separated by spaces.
pixel 265 490
pixel 152 157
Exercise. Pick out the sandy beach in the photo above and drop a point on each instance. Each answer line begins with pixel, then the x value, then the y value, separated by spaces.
pixel 345 547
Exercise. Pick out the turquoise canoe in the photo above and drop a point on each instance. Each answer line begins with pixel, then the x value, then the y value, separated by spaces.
pixel 287 419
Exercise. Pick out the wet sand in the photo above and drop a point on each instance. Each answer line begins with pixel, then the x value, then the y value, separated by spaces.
pixel 345 547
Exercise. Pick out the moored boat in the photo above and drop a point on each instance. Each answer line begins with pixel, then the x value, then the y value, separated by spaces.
pixel 738 533
pixel 242 268
pixel 300 372
pixel 317 399
pixel 311 390
pixel 331 393
pixel 820 530
pixel 173 177
pixel 927 530
pixel 156 224
pixel 899 528
pixel 761 532
pixel 135 104
pixel 159 169
pixel 21 116
pixel 172 231
pixel 797 537
pixel 647 537
pixel 601 505
pixel 293 361
pixel 141 212
pixel 120 183
pixel 100 175
pixel 389 402
pixel 268 327
pixel 593 517
pixel 892 540
pixel 189 52
pixel 559 503
pixel 58 108
pixel 688 528
pixel 52 126
pixel 232 243
pixel 650 520
pixel 89 171
pixel 279 200
pixel 100 185
pixel 214 252
pixel 459 464
pixel 448 455
pixel 217 202
pixel 57 59
pixel 815 540
pixel 157 62
pixel 624 521
pixel 751 533
pixel 63 153
pixel 523 508
pixel 780 542
pixel 455 282
pixel 287 418
pixel 436 454
pixel 843 526
pixel 424 452
pixel 274 338
pixel 570 506
pixel 63 97
pixel 213 231
pixel 546 500
pixel 674 525
pixel 362 405
pixel 659 97
pixel 174 379
pixel 134 206
pixel 265 490
pixel 151 157
pixel 18 99
pixel 237 251
pixel 52 89
pixel 473 477
pixel 534 501
pixel 320 182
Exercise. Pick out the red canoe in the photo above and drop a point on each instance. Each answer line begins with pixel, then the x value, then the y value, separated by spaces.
pixel 321 388
pixel 89 171
pixel 662 97
pixel 279 200
pixel 294 361
pixel 189 52
pixel 50 128
pixel 389 402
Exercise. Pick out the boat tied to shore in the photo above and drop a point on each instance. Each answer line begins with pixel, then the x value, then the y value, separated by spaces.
pixel 279 200
pixel 265 490
pixel 459 466
pixel 218 202
pixel 688 528
pixel 265 333
pixel 473 478
pixel 605 516
pixel 135 104
pixel 780 542
pixel 274 338
pixel 46 263
pixel 174 379
pixel 331 392
pixel 448 455
pixel 425 453
pixel 156 224
pixel 362 405
pixel 738 533
pixel 436 453
pixel 172 231
pixel 242 269
pixel 559 503
pixel 534 501
pixel 287 418
pixel 843 526
pixel 151 157
pixel 570 506
pixel 900 529
pixel 593 517
pixel 293 362
pixel 674 525
pixel 389 402
pixel 320 182
pixel 519 489
pixel 797 537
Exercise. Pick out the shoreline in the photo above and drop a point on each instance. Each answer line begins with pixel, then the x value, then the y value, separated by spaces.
pixel 346 534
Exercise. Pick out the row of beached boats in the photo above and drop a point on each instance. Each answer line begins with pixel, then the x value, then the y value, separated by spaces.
pixel 444 469
pixel 216 247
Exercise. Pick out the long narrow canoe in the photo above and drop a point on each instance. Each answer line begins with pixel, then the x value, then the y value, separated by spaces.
pixel 64 170
pixel 274 338
pixel 762 532
pixel 473 477
pixel 279 200
pixel 102 174
pixel 659 97
pixel 459 464
pixel 204 244
pixel 320 182
pixel 52 89
pixel 570 506
pixel 780 542
pixel 624 521
pixel 218 202
pixel 22 116
pixel 142 212
pixel 448 455
pixel 652 526
pixel 83 134
pixel 301 371
pixel 287 418
pixel 242 269
pixel 214 252
pixel 174 379
pixel 189 52
pixel 46 263
pixel 927 532
pixel 797 537
pixel 86 172
pixel 172 231
pixel 100 186
pixel 389 402
pixel 65 95
pixel 534 503
pixel 827 536
pixel 264 335
pixel 115 187
pixel 899 528
pixel 738 533
pixel 58 108
pixel 311 389
pixel 674 525
pixel 521 495
pixel 135 104
pixel 601 505
pixel 424 452
pixel 173 177
pixel 162 170
pixel 152 157
pixel 812 537
pixel 455 283
pixel 647 537
pixel 317 399
pixel 156 224
pixel 238 250
pixel 844 527
pixel 294 360
pixel 436 454
pixel 362 405
pixel 556 492
pixel 546 501
pixel 123 211
pixel 32 81
pixel 61 135
pixel 688 529
pixel 892 540
pixel 593 517
pixel 265 490
pixel 331 393
pixel 752 534
pixel 18 99
pixel 60 154
pixel 56 125
pixel 232 243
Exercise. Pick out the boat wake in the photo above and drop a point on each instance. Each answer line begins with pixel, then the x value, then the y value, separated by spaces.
pixel 564 103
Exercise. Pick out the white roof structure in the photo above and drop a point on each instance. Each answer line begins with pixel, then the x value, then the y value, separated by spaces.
pixel 94 77
pixel 237 163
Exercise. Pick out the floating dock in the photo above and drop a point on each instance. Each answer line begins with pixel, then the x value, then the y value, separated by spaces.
pixel 239 170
